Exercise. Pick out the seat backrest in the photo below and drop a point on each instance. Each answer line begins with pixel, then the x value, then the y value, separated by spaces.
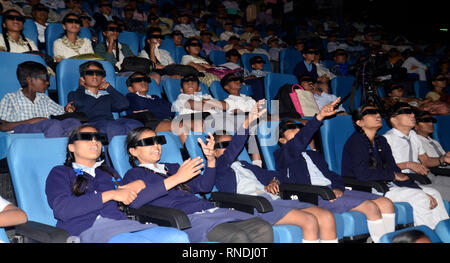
pixel 172 88
pixel 421 89
pixel 121 86
pixel 442 127
pixel 179 53
pixel 119 156
pixel 342 85
pixel 245 58
pixel 272 83
pixel 267 135
pixel 30 30
pixel 8 68
pixel 131 39
pixel 55 30
pixel 217 57
pixel 289 58
pixel 30 161
pixel 387 238
pixel 220 94
pixel 68 76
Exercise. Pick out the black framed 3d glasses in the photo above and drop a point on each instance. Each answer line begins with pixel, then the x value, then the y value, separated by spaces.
pixel 14 17
pixel 73 20
pixel 140 79
pixel 221 145
pixel 426 119
pixel 151 141
pixel 370 112
pixel 89 136
pixel 404 111
pixel 92 72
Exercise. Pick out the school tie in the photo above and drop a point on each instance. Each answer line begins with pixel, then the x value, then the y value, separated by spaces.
pixel 410 154
pixel 436 148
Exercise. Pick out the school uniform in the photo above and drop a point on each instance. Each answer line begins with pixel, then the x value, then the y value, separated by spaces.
pixel 78 214
pixel 407 149
pixel 355 163
pixel 15 107
pixel 244 178
pixel 99 108
pixel 202 214
pixel 299 166
pixel 303 68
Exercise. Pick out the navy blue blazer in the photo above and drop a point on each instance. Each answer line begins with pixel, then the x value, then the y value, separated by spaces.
pixel 225 175
pixel 356 156
pixel 98 108
pixel 155 192
pixel 300 69
pixel 293 167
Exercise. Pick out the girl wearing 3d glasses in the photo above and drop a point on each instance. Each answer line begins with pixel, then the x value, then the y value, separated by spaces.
pixel 71 44
pixel 12 39
pixel 174 186
pixel 88 197
pixel 367 156
pixel 302 166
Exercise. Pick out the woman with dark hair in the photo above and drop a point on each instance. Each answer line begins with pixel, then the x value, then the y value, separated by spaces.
pixel 367 156
pixel 70 44
pixel 110 49
pixel 174 186
pixel 12 39
pixel 88 197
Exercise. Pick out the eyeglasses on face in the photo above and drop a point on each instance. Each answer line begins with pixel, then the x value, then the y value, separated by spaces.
pixel 89 136
pixel 161 140
pixel 92 72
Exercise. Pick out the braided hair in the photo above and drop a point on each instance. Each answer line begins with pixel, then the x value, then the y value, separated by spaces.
pixel 373 163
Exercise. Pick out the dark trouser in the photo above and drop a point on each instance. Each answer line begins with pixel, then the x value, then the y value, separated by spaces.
pixel 254 230
pixel 50 127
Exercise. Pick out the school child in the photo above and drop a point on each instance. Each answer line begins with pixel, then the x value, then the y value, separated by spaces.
pixel 299 165
pixel 244 178
pixel 88 197
pixel 30 110
pixel 173 185
pixel 98 100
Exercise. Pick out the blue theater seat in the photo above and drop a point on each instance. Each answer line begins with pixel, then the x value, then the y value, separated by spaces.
pixel 289 58
pixel 335 132
pixel 29 170
pixel 272 83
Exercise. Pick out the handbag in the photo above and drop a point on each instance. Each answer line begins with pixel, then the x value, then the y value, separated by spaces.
pixel 137 64
pixel 304 102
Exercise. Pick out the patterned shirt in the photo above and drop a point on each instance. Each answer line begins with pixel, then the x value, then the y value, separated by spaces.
pixel 16 107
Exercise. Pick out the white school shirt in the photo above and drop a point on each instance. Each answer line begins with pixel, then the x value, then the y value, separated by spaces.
pixel 17 47
pixel 158 168
pixel 180 104
pixel 247 183
pixel 3 203
pixel 315 175
pixel 242 102
pixel 400 146
pixel 325 98
pixel 428 147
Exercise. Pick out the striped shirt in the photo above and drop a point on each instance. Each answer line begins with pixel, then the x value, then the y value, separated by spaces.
pixel 15 106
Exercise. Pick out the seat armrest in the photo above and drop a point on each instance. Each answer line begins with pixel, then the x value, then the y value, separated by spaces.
pixel 365 186
pixel 162 216
pixel 307 193
pixel 421 179
pixel 439 171
pixel 241 202
pixel 33 231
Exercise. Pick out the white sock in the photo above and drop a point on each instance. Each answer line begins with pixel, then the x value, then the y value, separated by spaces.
pixel 376 229
pixel 257 162
pixel 389 222
pixel 310 241
pixel 329 241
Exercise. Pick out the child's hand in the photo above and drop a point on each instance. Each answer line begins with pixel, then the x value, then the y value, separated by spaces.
pixel 104 85
pixel 208 148
pixel 328 110
pixel 255 113
pixel 135 186
pixel 70 107
pixel 189 169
